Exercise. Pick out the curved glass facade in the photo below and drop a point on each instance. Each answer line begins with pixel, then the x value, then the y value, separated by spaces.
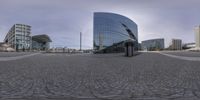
pixel 111 30
pixel 41 42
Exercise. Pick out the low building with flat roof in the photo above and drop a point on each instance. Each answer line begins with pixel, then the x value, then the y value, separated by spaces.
pixel 4 47
pixel 189 45
pixel 153 44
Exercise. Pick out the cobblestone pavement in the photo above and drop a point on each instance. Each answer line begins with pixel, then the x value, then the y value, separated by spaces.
pixel 188 58
pixel 148 76
pixel 184 53
pixel 17 57
pixel 13 54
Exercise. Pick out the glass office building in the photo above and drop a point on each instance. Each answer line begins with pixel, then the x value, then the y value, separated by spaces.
pixel 19 37
pixel 153 45
pixel 41 42
pixel 111 31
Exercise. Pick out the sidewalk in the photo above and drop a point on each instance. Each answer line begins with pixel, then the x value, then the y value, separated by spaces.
pixel 14 56
pixel 182 57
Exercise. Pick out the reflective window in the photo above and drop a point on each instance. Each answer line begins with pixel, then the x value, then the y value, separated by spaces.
pixel 109 30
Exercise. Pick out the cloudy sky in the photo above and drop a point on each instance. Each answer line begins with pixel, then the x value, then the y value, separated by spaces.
pixel 63 20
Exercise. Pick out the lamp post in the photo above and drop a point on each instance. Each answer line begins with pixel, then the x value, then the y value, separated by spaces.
pixel 80 41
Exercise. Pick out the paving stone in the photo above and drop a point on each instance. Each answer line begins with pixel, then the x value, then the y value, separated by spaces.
pixel 147 76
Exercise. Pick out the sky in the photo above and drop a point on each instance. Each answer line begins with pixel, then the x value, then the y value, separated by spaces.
pixel 63 20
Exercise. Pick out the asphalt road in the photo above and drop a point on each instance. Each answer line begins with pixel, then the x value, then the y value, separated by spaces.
pixel 148 76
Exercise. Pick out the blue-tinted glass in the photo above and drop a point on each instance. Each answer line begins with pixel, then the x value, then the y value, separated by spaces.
pixel 112 28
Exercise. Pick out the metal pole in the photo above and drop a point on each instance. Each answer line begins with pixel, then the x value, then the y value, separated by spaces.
pixel 80 41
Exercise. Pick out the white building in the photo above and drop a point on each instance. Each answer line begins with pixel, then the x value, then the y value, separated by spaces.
pixel 189 45
pixel 197 36
pixel 19 37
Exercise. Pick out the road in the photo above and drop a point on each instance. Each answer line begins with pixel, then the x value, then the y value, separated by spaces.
pixel 147 76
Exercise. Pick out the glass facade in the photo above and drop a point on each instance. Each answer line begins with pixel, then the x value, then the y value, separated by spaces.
pixel 41 42
pixel 19 37
pixel 40 45
pixel 153 45
pixel 111 30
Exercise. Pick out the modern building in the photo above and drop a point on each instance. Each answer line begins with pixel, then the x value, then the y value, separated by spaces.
pixel 153 44
pixel 139 46
pixel 4 47
pixel 176 44
pixel 189 45
pixel 111 31
pixel 19 37
pixel 41 42
pixel 197 36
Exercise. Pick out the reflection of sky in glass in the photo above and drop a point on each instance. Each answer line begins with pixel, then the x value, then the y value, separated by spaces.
pixel 109 27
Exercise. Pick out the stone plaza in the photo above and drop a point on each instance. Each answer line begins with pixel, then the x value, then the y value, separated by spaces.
pixel 146 76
